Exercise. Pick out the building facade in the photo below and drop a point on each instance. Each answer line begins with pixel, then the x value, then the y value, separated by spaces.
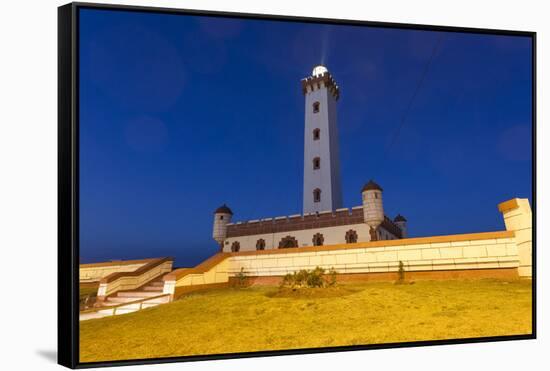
pixel 323 221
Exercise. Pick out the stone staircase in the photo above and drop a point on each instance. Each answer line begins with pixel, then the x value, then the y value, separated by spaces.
pixel 153 288
pixel 159 285
pixel 129 301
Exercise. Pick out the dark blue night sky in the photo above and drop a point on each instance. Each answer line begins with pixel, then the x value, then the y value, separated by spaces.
pixel 179 114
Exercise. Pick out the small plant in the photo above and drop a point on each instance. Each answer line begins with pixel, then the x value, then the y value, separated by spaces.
pixel 401 273
pixel 331 281
pixel 242 278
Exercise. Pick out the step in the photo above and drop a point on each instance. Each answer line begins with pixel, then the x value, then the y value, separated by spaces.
pixel 153 288
pixel 136 294
pixel 117 300
pixel 156 283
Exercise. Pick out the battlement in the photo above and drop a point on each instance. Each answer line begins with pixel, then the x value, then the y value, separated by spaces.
pixel 298 222
pixel 314 82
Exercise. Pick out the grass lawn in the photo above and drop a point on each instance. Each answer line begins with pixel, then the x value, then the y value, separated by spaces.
pixel 261 318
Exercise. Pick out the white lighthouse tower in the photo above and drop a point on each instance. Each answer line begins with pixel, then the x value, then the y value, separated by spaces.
pixel 322 187
pixel 373 207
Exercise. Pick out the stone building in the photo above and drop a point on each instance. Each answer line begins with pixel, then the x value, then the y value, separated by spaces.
pixel 323 220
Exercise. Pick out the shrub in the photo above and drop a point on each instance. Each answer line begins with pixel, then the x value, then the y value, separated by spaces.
pixel 314 278
pixel 288 280
pixel 300 278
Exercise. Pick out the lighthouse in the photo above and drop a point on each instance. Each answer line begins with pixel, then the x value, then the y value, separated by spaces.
pixel 324 221
pixel 322 187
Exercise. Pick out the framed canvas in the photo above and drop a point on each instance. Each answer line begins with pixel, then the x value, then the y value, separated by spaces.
pixel 240 185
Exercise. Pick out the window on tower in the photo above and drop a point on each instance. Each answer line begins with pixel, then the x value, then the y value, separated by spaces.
pixel 316 107
pixel 316 163
pixel 316 195
pixel 316 134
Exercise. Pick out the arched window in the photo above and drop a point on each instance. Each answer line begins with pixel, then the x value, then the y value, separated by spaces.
pixel 288 242
pixel 318 239
pixel 260 244
pixel 316 163
pixel 221 217
pixel 316 195
pixel 351 236
pixel 316 107
pixel 235 246
pixel 316 134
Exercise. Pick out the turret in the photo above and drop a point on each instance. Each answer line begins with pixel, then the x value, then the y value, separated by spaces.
pixel 402 224
pixel 222 217
pixel 373 208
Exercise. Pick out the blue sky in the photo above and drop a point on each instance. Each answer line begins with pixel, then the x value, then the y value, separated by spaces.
pixel 179 114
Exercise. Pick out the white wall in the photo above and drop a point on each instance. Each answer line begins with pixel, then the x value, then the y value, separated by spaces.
pixel 442 253
pixel 332 236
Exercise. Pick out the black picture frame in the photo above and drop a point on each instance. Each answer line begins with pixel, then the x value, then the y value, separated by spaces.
pixel 68 184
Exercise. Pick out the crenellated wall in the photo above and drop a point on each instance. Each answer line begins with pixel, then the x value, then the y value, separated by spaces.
pixel 332 225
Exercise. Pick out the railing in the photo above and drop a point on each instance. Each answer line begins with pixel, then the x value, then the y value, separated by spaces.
pixel 114 308
pixel 132 280
pixel 94 272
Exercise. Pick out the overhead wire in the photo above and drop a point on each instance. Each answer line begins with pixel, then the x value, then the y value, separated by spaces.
pixel 410 103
